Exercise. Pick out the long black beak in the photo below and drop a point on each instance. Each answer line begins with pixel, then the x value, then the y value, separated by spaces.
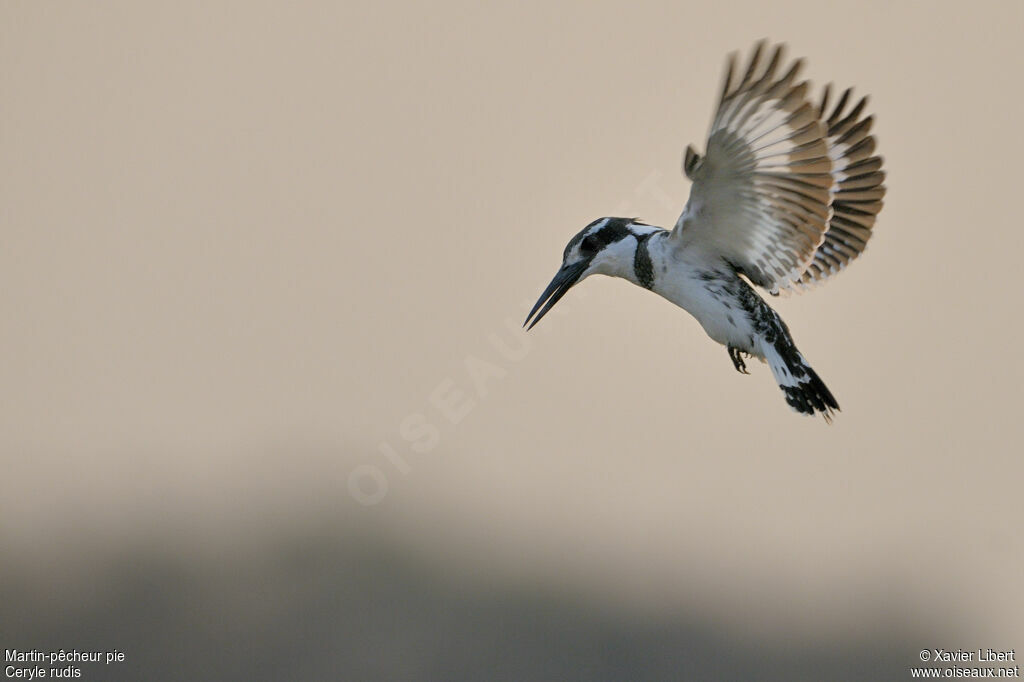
pixel 563 281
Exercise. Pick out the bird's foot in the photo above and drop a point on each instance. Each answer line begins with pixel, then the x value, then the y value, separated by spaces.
pixel 736 355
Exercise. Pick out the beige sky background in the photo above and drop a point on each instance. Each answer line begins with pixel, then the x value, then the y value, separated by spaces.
pixel 243 245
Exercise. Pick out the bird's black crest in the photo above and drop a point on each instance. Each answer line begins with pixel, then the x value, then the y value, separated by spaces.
pixel 615 229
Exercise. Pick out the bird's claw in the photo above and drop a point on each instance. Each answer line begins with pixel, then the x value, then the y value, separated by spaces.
pixel 736 355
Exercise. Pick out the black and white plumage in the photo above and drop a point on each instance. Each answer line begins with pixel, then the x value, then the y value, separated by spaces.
pixel 785 197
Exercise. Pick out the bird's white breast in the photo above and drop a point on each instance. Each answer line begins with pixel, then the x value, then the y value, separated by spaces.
pixel 680 277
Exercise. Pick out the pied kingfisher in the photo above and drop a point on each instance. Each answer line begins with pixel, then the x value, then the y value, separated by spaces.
pixel 785 196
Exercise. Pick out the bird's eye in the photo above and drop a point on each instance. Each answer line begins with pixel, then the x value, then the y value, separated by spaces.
pixel 589 244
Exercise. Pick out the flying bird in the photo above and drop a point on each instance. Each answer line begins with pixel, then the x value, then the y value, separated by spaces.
pixel 784 197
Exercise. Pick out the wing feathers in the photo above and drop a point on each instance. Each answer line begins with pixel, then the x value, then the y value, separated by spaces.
pixel 763 188
pixel 858 190
pixel 788 189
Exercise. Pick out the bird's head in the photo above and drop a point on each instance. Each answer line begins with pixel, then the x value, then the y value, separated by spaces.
pixel 606 246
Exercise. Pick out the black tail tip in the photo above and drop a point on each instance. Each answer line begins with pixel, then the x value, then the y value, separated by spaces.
pixel 811 396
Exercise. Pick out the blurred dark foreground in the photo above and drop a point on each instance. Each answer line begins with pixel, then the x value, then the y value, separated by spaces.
pixel 314 608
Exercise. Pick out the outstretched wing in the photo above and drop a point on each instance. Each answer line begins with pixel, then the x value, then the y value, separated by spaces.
pixel 761 195
pixel 857 188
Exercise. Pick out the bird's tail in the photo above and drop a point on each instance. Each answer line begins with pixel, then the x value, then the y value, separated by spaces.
pixel 805 391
